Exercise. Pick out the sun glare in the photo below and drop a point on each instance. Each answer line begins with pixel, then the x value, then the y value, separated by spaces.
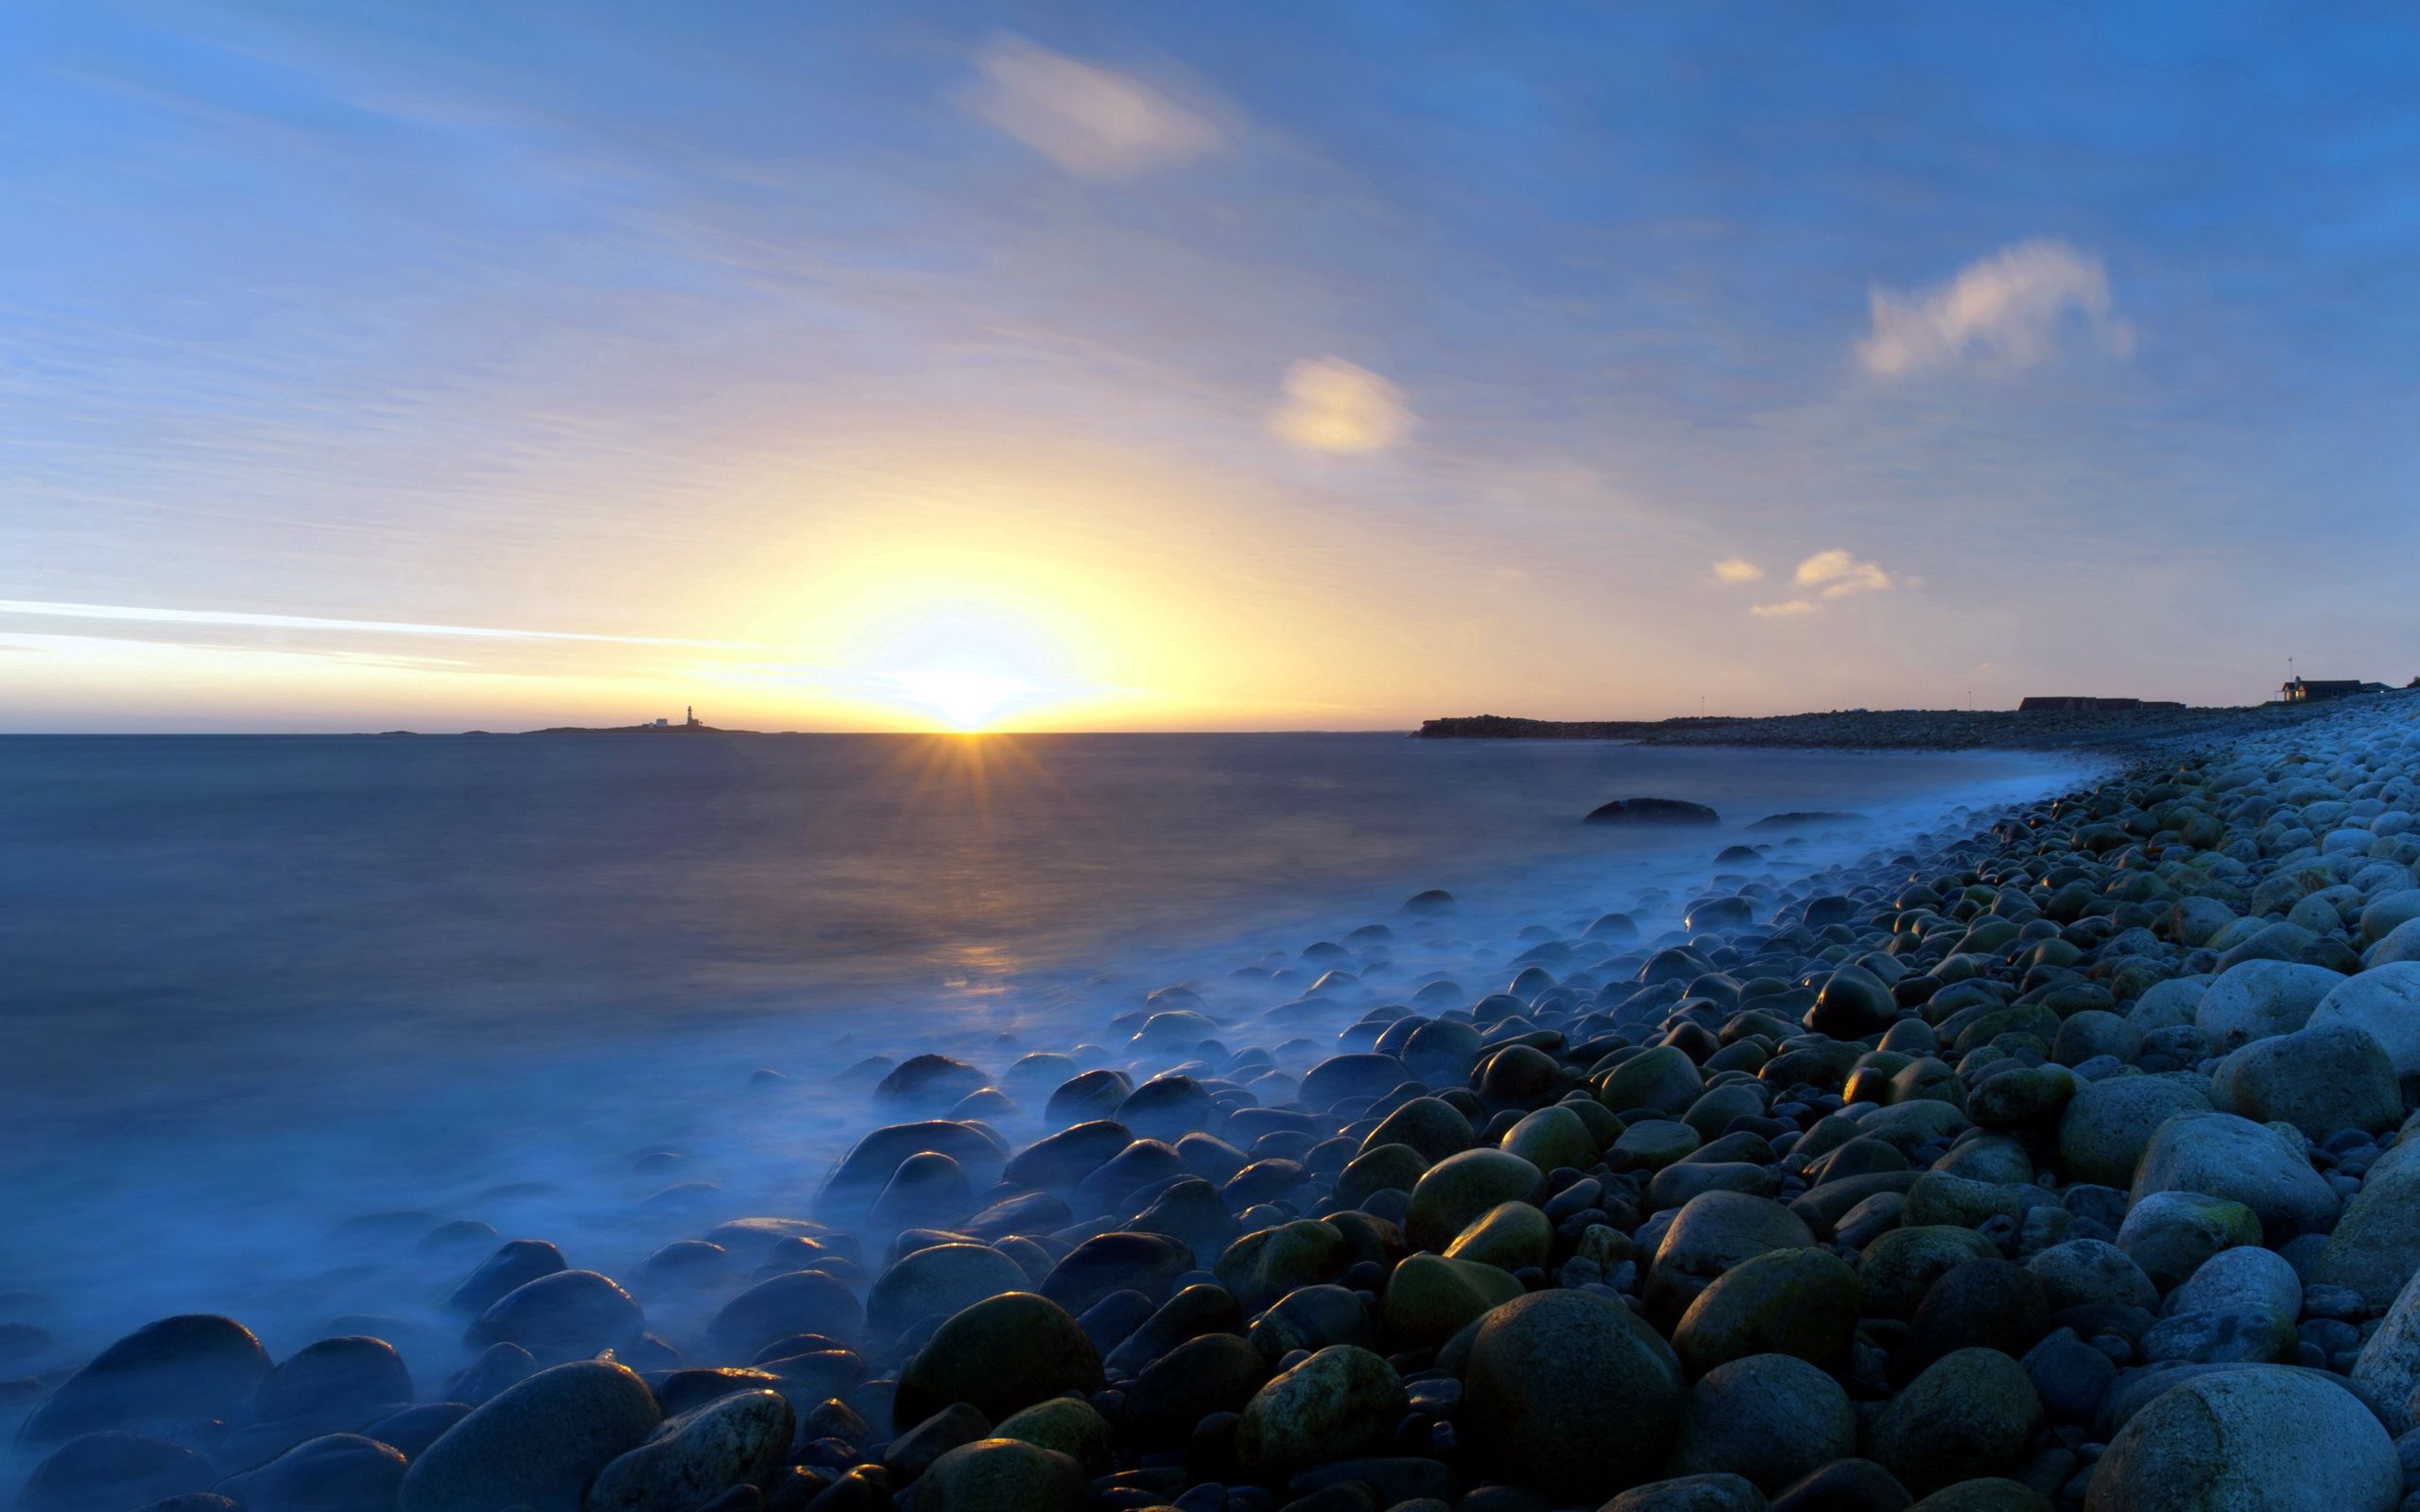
pixel 964 700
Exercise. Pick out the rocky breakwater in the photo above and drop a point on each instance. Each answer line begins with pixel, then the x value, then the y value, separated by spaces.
pixel 2063 1163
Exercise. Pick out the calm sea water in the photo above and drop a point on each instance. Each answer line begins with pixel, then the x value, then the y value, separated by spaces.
pixel 252 987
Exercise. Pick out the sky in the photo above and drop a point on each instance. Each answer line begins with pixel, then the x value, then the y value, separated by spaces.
pixel 1250 366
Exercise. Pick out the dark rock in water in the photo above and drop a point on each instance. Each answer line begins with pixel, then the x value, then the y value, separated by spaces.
pixel 1739 855
pixel 1338 1078
pixel 340 1472
pixel 538 1444
pixel 868 1166
pixel 684 1264
pixel 1197 1309
pixel 928 1081
pixel 414 1429
pixel 111 1470
pixel 1168 1107
pixel 939 1282
pixel 686 1391
pixel 1572 1393
pixel 336 1380
pixel 1807 819
pixel 1110 1322
pixel 1090 1095
pixel 569 1313
pixel 192 1501
pixel 803 1301
pixel 1064 1158
pixel 1145 1162
pixel 515 1263
pixel 928 1189
pixel 499 1366
pixel 1651 811
pixel 1432 901
pixel 178 1369
pixel 1719 913
pixel 912 1453
pixel 1312 1318
pixel 1442 1052
pixel 739 1439
pixel 461 1235
pixel 21 1341
pixel 1002 1354
pixel 1118 1261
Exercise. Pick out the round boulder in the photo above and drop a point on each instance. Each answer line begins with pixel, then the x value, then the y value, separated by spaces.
pixel 1003 1354
pixel 1571 1393
pixel 2259 1439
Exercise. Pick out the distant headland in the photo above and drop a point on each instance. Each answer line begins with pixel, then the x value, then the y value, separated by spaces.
pixel 2048 724
pixel 689 725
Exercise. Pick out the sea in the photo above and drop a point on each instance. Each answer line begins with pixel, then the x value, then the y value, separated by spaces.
pixel 274 1007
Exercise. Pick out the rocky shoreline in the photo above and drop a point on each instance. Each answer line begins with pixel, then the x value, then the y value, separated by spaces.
pixel 2051 1162
pixel 1902 729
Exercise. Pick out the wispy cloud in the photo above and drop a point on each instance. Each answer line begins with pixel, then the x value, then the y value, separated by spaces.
pixel 128 614
pixel 2005 311
pixel 1091 122
pixel 1786 610
pixel 1332 406
pixel 1737 570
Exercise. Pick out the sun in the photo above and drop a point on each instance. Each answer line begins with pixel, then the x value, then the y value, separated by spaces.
pixel 964 700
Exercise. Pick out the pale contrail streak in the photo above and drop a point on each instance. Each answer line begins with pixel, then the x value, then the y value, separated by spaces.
pixel 302 622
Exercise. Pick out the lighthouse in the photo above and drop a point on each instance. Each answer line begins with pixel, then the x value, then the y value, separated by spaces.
pixel 691 711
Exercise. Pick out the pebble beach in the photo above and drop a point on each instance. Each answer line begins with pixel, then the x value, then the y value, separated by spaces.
pixel 2046 1159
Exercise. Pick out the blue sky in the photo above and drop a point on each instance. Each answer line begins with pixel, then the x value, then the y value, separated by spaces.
pixel 1302 365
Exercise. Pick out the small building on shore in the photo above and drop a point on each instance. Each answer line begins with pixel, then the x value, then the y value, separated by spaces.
pixel 2308 689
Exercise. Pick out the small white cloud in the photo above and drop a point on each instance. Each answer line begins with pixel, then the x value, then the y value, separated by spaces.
pixel 1091 122
pixel 2005 311
pixel 1841 574
pixel 1737 570
pixel 1332 406
pixel 1835 574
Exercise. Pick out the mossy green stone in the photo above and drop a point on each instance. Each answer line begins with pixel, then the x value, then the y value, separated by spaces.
pixel 1264 1265
pixel 1068 1424
pixel 1937 1197
pixel 1379 1168
pixel 1800 1302
pixel 1656 1143
pixel 1458 1189
pixel 1553 1136
pixel 1341 1402
pixel 1661 1079
pixel 1432 1126
pixel 2030 1097
pixel 1899 1266
pixel 1508 1236
pixel 1430 1297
